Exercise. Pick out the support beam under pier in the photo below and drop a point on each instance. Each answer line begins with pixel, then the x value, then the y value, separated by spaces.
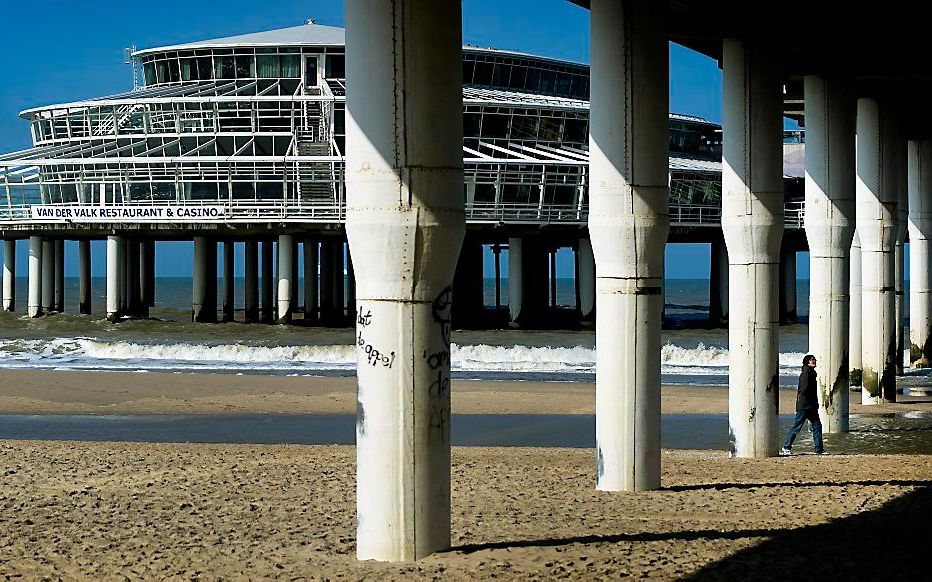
pixel 585 280
pixel 920 259
pixel 228 291
pixel 147 276
pixel 34 295
pixel 9 275
pixel 115 266
pixel 527 281
pixel 252 281
pixel 84 277
pixel 718 283
pixel 204 304
pixel 831 111
pixel 59 293
pixel 48 276
pixel 788 285
pixel 286 275
pixel 311 283
pixel 468 285
pixel 752 223
pixel 409 140
pixel 628 225
pixel 268 282
pixel 854 319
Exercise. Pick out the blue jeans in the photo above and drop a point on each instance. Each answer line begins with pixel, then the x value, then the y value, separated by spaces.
pixel 812 415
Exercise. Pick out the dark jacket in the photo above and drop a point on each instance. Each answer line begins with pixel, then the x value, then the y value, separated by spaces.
pixel 806 397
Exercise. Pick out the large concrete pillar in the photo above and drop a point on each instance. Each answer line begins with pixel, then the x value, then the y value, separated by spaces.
pixel 854 333
pixel 134 278
pixel 467 285
pixel 285 277
pixel 251 293
pixel 752 222
pixel 528 266
pixel 9 275
pixel 899 254
pixel 84 277
pixel 48 276
pixel 34 295
pixel 876 195
pixel 350 286
pixel 204 301
pixel 311 283
pixel 124 284
pixel 114 277
pixel 338 280
pixel 920 259
pixel 787 285
pixel 146 277
pixel 268 291
pixel 718 283
pixel 229 281
pixel 405 222
pixel 831 110
pixel 59 293
pixel 327 309
pixel 515 278
pixel 585 279
pixel 628 226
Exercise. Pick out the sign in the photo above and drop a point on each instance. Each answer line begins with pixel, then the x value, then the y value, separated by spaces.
pixel 162 213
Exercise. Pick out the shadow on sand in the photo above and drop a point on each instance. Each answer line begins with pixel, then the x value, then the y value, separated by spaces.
pixel 883 544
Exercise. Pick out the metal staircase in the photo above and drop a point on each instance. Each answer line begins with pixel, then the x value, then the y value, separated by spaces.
pixel 315 179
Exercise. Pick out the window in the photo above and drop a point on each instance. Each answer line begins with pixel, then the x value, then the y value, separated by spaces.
pixel 468 67
pixel 269 66
pixel 336 66
pixel 518 78
pixel 204 68
pixel 533 79
pixel 576 131
pixel 547 79
pixel 471 124
pixel 524 127
pixel 189 70
pixel 495 125
pixel 245 67
pixel 549 129
pixel 161 70
pixel 224 68
pixel 483 75
pixel 500 75
pixel 148 71
pixel 291 66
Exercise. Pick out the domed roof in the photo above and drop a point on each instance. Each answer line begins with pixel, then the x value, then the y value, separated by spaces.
pixel 309 34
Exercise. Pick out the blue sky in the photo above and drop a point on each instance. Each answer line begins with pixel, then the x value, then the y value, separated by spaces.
pixel 75 50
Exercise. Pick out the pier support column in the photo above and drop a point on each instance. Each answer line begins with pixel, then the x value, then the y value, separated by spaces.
pixel 338 281
pixel 48 276
pixel 285 277
pixel 84 277
pixel 876 195
pixel 628 226
pixel 310 280
pixel 585 280
pixel 59 298
pixel 134 278
pixel 326 282
pixel 752 222
pixel 718 283
pixel 527 281
pixel 146 276
pixel 468 285
pixel 34 295
pixel 920 259
pixel 268 291
pixel 854 333
pixel 115 266
pixel 124 273
pixel 831 110
pixel 350 287
pixel 787 285
pixel 405 222
pixel 204 304
pixel 229 281
pixel 9 275
pixel 252 281
pixel 899 253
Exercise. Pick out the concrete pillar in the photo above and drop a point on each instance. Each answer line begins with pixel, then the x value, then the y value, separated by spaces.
pixel 876 195
pixel 84 277
pixel 59 299
pixel 9 275
pixel 114 277
pixel 285 277
pixel 920 259
pixel 752 222
pixel 788 285
pixel 252 281
pixel 899 255
pixel 350 287
pixel 409 141
pixel 854 333
pixel 467 285
pixel 327 310
pixel 48 276
pixel 718 283
pixel 338 294
pixel 134 278
pixel 34 296
pixel 310 280
pixel 268 291
pixel 204 301
pixel 628 226
pixel 831 110
pixel 229 282
pixel 527 281
pixel 585 279
pixel 146 276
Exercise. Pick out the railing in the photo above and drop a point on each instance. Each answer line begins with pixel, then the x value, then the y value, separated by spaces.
pixel 298 210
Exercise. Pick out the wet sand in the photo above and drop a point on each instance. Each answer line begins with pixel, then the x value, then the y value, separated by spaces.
pixel 108 510
pixel 79 392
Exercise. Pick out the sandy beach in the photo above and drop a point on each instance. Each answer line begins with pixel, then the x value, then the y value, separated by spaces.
pixel 80 392
pixel 107 510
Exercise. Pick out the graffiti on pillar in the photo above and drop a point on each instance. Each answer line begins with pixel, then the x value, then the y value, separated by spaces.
pixel 374 356
pixel 439 361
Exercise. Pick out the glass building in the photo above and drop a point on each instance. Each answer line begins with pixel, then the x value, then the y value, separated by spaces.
pixel 256 123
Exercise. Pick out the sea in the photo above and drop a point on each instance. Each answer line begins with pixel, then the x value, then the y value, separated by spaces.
pixel 692 353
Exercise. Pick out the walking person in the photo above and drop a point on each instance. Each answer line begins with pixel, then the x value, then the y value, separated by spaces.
pixel 807 408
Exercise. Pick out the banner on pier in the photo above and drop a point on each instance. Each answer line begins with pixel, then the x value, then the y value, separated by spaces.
pixel 166 213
